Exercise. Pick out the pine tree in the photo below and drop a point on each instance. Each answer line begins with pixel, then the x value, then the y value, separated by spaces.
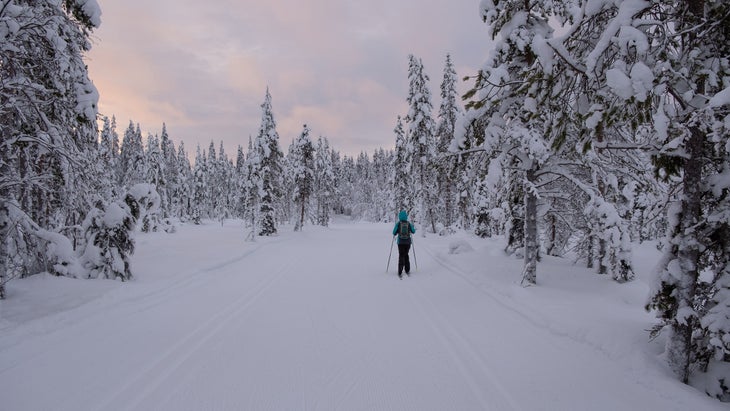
pixel 199 200
pixel 185 186
pixel 324 181
pixel 269 168
pixel 302 163
pixel 240 183
pixel 155 171
pixel 48 109
pixel 690 78
pixel 107 160
pixel 420 143
pixel 132 157
pixel 225 167
pixel 109 241
pixel 449 112
pixel 251 192
pixel 171 192
pixel 403 194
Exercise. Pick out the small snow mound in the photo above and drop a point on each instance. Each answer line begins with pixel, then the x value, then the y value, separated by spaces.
pixel 460 247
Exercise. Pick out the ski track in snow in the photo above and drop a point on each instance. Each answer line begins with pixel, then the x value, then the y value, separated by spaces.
pixel 469 361
pixel 535 319
pixel 307 321
pixel 151 378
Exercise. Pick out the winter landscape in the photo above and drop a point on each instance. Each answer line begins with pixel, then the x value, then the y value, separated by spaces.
pixel 311 320
pixel 570 198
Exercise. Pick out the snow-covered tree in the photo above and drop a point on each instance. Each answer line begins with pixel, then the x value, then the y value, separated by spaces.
pixel 403 194
pixel 383 194
pixel 48 109
pixel 420 143
pixel 449 112
pixel 184 191
pixel 108 231
pixel 252 185
pixel 132 157
pixel 301 159
pixel 324 181
pixel 107 158
pixel 675 65
pixel 170 194
pixel 533 95
pixel 155 170
pixel 240 183
pixel 199 200
pixel 269 168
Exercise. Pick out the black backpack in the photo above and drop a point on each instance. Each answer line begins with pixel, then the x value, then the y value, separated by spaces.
pixel 404 232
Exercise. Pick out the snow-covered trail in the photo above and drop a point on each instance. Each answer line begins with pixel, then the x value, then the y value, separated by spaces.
pixel 304 321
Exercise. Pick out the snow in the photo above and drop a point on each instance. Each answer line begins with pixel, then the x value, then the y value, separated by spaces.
pixel 619 83
pixel 721 99
pixel 311 320
pixel 92 10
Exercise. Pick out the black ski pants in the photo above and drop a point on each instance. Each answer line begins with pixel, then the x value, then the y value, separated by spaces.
pixel 403 260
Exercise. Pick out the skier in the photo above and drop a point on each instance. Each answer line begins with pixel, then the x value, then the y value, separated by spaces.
pixel 403 228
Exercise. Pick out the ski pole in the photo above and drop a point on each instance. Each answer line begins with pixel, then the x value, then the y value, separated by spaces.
pixel 415 260
pixel 390 254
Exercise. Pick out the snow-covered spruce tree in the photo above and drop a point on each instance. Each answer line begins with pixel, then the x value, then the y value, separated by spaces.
pixel 420 143
pixel 148 204
pixel 465 171
pixel 449 112
pixel 251 193
pixel 403 193
pixel 228 185
pixel 132 157
pixel 156 173
pixel 365 181
pixel 47 122
pixel 184 191
pixel 108 231
pixel 225 181
pixel 170 192
pixel 107 159
pixel 324 181
pixel 199 200
pixel 286 209
pixel 383 193
pixel 269 168
pixel 212 182
pixel 239 174
pixel 691 79
pixel 345 182
pixel 301 159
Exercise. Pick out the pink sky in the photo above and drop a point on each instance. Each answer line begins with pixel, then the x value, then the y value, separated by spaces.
pixel 339 66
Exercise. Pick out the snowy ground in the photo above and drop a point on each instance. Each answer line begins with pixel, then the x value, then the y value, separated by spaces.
pixel 311 321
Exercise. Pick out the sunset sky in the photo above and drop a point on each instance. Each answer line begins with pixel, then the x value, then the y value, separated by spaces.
pixel 339 66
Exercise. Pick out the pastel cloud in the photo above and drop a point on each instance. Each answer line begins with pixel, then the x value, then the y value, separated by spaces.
pixel 340 67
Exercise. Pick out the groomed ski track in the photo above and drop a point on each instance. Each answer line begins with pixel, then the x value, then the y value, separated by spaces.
pixel 301 321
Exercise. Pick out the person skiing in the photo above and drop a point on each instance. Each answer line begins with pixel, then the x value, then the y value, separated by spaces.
pixel 403 229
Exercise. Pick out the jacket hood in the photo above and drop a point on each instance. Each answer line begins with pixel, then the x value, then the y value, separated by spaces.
pixel 403 215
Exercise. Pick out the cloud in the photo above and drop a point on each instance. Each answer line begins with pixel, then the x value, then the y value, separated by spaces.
pixel 340 67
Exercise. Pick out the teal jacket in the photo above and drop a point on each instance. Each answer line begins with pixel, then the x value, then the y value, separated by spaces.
pixel 403 216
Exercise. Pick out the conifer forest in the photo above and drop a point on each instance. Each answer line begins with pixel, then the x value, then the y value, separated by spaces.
pixel 592 126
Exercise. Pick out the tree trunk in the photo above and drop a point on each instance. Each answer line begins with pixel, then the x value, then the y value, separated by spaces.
pixel 602 257
pixel 589 251
pixel 552 234
pixel 679 345
pixel 529 272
